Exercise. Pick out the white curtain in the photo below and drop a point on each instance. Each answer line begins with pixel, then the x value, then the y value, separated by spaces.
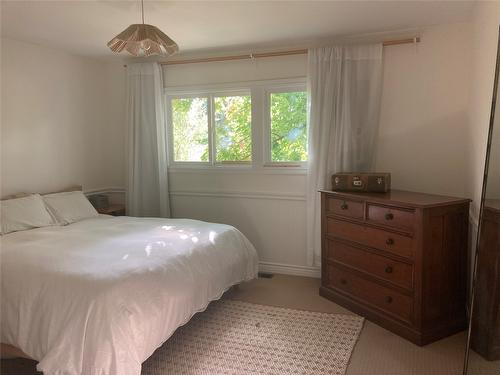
pixel 345 86
pixel 147 179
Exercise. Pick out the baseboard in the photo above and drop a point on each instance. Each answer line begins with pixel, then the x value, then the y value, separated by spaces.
pixel 289 269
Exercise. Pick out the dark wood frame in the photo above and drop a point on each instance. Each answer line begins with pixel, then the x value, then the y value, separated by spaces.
pixel 481 206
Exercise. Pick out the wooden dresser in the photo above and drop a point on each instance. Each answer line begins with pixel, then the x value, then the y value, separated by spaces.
pixel 397 258
pixel 485 333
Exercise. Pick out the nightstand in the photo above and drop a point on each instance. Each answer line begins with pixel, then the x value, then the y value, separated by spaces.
pixel 113 209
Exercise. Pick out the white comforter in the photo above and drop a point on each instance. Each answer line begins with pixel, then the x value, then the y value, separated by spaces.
pixel 99 296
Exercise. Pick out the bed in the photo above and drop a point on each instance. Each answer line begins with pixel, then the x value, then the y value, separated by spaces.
pixel 98 296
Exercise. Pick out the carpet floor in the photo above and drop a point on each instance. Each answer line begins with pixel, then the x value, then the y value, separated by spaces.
pixel 377 351
pixel 233 337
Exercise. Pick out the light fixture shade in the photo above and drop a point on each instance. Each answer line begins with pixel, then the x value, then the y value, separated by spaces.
pixel 143 40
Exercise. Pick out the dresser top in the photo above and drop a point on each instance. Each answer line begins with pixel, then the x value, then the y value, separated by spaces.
pixel 402 197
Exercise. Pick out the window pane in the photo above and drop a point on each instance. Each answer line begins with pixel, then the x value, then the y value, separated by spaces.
pixel 233 128
pixel 289 126
pixel 190 128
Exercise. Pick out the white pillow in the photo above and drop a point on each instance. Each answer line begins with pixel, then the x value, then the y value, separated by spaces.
pixel 69 207
pixel 24 213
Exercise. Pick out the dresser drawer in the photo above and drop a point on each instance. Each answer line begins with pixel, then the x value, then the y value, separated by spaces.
pixel 344 207
pixel 398 273
pixel 373 237
pixel 391 217
pixel 371 293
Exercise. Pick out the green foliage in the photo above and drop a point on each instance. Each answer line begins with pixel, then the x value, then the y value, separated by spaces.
pixel 233 128
pixel 190 128
pixel 289 126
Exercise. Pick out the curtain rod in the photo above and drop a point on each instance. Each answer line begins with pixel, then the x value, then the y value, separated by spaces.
pixel 272 54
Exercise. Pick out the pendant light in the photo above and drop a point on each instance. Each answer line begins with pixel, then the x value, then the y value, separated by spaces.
pixel 143 40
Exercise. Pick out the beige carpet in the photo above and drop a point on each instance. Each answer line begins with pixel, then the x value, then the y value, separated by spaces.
pixel 378 351
pixel 233 337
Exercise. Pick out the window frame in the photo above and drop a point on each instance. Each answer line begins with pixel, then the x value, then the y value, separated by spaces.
pixel 277 89
pixel 260 125
pixel 170 132
pixel 212 144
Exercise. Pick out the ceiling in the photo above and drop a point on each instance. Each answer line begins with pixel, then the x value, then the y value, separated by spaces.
pixel 84 27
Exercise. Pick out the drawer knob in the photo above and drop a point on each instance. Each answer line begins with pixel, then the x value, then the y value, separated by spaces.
pixel 388 269
pixel 389 241
pixel 388 299
pixel 343 281
pixel 344 206
pixel 389 216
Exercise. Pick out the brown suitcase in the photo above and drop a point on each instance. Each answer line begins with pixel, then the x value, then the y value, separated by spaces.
pixel 367 182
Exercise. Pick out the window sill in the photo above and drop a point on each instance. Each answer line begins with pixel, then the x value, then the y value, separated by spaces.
pixel 239 169
pixel 287 165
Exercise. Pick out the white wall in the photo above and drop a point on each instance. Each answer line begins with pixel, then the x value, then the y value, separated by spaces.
pixel 424 112
pixel 485 23
pixel 422 141
pixel 423 136
pixel 62 121
pixel 268 207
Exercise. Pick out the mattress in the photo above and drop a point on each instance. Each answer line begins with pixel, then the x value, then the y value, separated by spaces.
pixel 97 297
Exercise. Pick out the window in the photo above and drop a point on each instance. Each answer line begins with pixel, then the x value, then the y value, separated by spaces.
pixel 258 125
pixel 233 128
pixel 220 120
pixel 190 129
pixel 288 126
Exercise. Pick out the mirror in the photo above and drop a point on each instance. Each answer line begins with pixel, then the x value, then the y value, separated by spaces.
pixel 483 342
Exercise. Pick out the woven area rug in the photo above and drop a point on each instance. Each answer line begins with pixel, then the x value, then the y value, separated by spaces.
pixel 233 337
